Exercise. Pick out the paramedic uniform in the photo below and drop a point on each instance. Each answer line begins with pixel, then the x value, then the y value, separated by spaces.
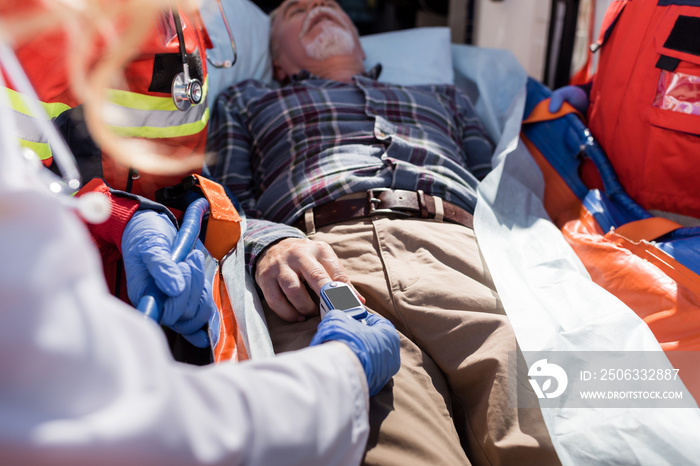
pixel 645 104
pixel 85 379
pixel 142 108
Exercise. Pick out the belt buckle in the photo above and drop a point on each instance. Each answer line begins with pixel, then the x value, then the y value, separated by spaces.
pixel 373 201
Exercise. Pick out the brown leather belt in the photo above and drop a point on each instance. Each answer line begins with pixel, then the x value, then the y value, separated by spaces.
pixel 383 202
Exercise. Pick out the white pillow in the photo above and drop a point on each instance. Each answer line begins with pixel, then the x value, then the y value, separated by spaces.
pixel 411 56
pixel 408 57
pixel 250 27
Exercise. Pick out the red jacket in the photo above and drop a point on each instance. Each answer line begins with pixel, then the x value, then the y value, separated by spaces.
pixel 648 80
pixel 145 98
pixel 144 101
pixel 108 235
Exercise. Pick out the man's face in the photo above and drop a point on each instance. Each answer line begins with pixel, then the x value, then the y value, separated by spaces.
pixel 309 32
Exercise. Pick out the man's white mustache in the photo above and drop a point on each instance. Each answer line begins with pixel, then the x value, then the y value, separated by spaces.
pixel 317 11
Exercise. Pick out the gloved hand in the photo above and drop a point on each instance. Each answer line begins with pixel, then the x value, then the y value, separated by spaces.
pixel 576 96
pixel 146 249
pixel 376 344
pixel 188 312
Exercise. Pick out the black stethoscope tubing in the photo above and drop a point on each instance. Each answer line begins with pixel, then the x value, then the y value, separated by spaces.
pixel 186 91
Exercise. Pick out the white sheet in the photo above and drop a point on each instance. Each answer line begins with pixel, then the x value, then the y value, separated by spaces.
pixel 547 293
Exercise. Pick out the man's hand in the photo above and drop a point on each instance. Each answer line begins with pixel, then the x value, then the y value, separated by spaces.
pixel 287 267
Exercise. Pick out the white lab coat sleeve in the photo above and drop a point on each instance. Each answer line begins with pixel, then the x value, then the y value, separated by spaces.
pixel 86 379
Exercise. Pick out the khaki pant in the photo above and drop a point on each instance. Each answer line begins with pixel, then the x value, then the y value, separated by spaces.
pixel 448 404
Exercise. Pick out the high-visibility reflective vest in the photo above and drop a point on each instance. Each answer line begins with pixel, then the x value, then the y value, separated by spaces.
pixel 28 130
pixel 144 108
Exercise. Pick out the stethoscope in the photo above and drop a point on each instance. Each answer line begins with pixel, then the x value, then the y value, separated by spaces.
pixel 186 90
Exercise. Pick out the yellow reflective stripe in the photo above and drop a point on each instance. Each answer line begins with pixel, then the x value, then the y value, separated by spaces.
pixel 41 149
pixel 17 101
pixel 138 101
pixel 160 132
pixel 27 128
pixel 145 116
pixel 29 134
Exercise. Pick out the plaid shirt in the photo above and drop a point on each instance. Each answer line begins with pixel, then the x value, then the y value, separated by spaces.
pixel 284 150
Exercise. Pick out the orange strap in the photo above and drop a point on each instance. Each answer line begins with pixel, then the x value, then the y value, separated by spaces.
pixel 541 112
pixel 647 229
pixel 224 226
pixel 231 346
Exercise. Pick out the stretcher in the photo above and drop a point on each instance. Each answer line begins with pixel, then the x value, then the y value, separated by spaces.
pixel 553 298
pixel 558 304
pixel 651 263
pixel 555 303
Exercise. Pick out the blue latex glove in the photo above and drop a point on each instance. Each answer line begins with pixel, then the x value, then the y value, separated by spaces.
pixel 188 312
pixel 375 343
pixel 147 254
pixel 576 96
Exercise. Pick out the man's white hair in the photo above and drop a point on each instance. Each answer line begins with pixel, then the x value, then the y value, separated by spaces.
pixel 274 47
pixel 332 39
